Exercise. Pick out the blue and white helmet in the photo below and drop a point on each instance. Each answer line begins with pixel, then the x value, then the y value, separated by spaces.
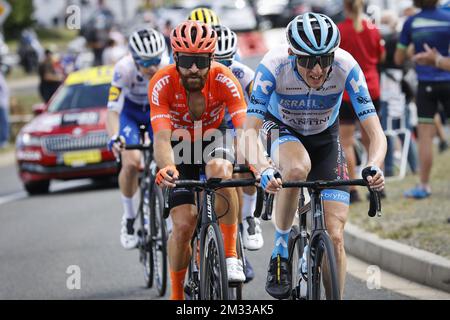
pixel 312 34
pixel 146 44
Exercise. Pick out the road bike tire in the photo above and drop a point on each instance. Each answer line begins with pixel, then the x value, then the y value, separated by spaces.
pixel 213 270
pixel 159 240
pixel 322 257
pixel 235 289
pixel 192 287
pixel 145 247
pixel 295 246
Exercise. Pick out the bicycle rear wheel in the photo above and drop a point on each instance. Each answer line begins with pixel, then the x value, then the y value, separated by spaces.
pixel 324 283
pixel 158 239
pixel 213 271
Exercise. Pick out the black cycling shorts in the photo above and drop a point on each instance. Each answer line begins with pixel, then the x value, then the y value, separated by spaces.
pixel 347 114
pixel 191 164
pixel 324 149
pixel 429 95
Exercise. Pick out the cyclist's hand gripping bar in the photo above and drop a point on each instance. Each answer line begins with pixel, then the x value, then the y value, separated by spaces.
pixel 375 202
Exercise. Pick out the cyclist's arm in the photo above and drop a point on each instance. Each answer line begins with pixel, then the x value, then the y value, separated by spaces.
pixel 356 87
pixel 116 99
pixel 249 142
pixel 163 149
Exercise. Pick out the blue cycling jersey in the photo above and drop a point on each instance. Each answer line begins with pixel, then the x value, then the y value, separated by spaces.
pixel 430 26
pixel 279 89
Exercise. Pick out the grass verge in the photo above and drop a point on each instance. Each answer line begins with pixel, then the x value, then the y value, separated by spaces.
pixel 419 223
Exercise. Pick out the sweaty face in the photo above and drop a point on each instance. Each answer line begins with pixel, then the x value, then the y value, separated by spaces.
pixel 193 73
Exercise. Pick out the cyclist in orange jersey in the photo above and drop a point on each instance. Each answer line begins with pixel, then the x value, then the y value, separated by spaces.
pixel 187 102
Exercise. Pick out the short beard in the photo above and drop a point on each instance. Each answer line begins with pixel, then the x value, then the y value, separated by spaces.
pixel 193 88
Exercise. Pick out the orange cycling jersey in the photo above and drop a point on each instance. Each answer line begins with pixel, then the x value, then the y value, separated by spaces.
pixel 168 101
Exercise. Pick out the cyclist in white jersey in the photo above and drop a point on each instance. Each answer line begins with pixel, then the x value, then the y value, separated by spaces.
pixel 296 97
pixel 226 49
pixel 128 108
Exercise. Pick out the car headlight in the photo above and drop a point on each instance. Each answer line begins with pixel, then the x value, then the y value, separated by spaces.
pixel 28 140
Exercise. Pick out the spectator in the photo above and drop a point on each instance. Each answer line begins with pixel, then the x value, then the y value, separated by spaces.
pixel 98 29
pixel 166 32
pixel 113 52
pixel 395 104
pixel 434 83
pixel 362 40
pixel 4 112
pixel 51 76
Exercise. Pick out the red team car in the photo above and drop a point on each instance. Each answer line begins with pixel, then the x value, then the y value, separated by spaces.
pixel 68 139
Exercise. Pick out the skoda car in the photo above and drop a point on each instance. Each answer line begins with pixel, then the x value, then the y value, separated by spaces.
pixel 67 139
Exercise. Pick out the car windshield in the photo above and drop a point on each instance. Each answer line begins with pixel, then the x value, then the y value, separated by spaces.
pixel 79 96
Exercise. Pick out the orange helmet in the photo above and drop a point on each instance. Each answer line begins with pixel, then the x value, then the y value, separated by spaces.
pixel 193 37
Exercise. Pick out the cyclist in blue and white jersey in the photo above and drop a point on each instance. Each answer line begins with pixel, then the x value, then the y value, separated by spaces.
pixel 296 97
pixel 128 108
pixel 225 54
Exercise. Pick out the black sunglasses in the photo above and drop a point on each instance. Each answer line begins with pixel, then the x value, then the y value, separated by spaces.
pixel 309 62
pixel 200 61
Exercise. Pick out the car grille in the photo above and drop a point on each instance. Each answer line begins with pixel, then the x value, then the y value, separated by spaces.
pixel 63 143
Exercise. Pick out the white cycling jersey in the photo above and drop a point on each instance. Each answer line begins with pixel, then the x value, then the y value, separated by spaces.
pixel 279 89
pixel 245 76
pixel 129 84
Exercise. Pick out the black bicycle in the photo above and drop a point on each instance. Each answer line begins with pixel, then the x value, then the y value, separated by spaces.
pixel 152 231
pixel 311 254
pixel 207 273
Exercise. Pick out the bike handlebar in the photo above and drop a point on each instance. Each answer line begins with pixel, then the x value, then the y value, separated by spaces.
pixel 374 206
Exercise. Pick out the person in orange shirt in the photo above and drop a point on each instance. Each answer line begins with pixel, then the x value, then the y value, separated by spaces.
pixel 187 103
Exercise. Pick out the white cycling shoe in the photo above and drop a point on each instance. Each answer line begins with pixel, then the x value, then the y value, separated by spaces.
pixel 235 270
pixel 252 234
pixel 128 241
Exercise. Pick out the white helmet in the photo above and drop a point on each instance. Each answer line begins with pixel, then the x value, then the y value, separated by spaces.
pixel 146 44
pixel 226 43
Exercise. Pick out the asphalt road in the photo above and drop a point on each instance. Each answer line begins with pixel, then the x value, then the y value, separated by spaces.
pixel 78 224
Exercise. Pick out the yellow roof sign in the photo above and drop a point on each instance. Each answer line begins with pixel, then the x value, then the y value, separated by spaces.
pixel 91 76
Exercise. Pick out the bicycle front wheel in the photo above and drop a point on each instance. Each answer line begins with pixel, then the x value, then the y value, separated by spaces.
pixel 296 245
pixel 324 283
pixel 213 271
pixel 159 239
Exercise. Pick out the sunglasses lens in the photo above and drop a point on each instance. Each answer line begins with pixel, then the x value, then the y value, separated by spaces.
pixel 200 61
pixel 309 62
pixel 150 62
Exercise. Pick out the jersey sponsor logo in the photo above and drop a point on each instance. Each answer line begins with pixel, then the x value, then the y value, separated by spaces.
pixel 160 116
pixel 158 87
pixel 357 84
pixel 255 100
pixel 363 100
pixel 281 66
pixel 117 76
pixel 257 111
pixel 306 121
pixel 114 93
pixel 264 84
pixel 238 73
pixel 366 112
pixel 230 84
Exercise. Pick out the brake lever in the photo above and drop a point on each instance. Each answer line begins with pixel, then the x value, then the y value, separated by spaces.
pixel 267 214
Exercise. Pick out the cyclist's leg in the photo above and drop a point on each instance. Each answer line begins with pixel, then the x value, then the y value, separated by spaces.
pixel 184 216
pixel 291 157
pixel 219 159
pixel 128 176
pixel 329 164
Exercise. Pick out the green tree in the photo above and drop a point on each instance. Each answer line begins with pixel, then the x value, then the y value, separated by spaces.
pixel 19 18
